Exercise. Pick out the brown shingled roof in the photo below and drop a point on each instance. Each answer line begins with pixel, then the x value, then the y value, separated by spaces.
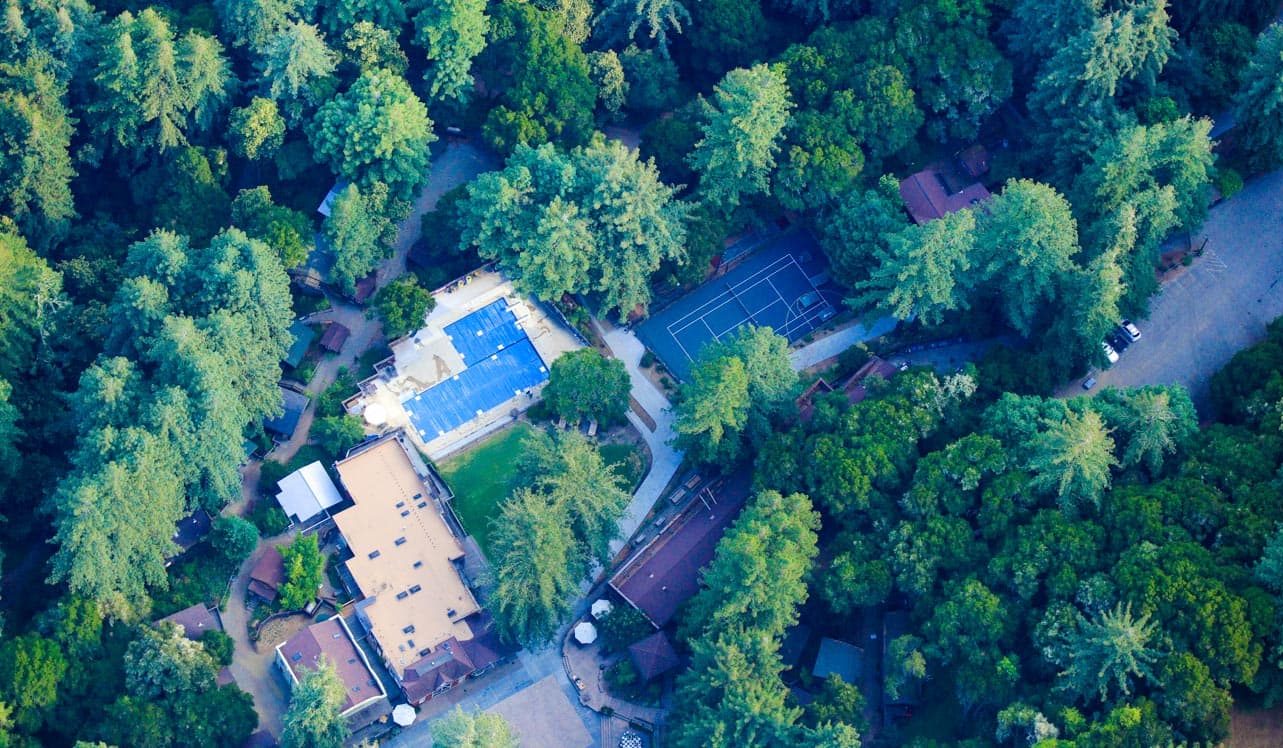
pixel 334 337
pixel 268 574
pixel 927 197
pixel 195 621
pixel 665 573
pixel 330 640
pixel 653 656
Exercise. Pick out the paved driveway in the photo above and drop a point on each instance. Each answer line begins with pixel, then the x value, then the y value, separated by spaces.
pixel 1219 305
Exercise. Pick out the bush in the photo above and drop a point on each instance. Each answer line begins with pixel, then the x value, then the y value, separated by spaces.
pixel 336 434
pixel 304 566
pixel 622 676
pixel 330 402
pixel 622 627
pixel 647 360
pixel 268 517
pixel 219 646
pixel 233 539
pixel 1228 182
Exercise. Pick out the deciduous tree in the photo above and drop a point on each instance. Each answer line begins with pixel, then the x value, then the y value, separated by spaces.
pixel 536 567
pixel 314 718
pixel 403 306
pixel 460 729
pixel 585 384
pixel 304 570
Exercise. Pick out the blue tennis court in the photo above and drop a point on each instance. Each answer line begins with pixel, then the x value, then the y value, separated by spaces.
pixel 781 287
pixel 485 384
pixel 487 330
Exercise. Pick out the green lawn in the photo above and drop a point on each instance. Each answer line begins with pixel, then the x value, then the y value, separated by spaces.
pixel 482 477
pixel 485 475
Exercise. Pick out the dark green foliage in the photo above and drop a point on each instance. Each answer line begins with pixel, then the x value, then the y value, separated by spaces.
pixel 219 646
pixel 337 434
pixel 584 384
pixel 622 627
pixel 289 232
pixel 233 539
pixel 403 305
pixel 550 95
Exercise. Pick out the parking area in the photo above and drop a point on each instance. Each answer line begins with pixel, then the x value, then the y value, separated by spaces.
pixel 1219 305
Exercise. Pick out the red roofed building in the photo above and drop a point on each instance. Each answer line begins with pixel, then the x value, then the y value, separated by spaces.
pixel 928 195
pixel 331 641
pixel 268 574
pixel 664 574
pixel 854 387
pixel 334 337
pixel 449 663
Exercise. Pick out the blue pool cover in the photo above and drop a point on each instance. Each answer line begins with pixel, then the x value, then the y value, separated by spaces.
pixel 486 383
pixel 484 332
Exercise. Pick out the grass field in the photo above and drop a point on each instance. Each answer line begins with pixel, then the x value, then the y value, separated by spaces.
pixel 484 476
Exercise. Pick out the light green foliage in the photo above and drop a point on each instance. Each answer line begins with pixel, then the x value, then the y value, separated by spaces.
pixel 304 570
pixel 1026 239
pixel 296 68
pixel 375 131
pixel 742 128
pixel 314 718
pixel 1154 422
pixel 1161 172
pixel 162 662
pixel 31 668
pixel 924 271
pixel 758 576
pixel 452 33
pixel 339 15
pixel 536 567
pixel 589 494
pixel 286 231
pixel 1191 701
pixel 252 22
pixel 1072 458
pixel 257 129
pixel 732 694
pixel 838 702
pixel 585 384
pixel 337 434
pixel 354 232
pixel 1126 45
pixel 1259 104
pixel 904 664
pixel 1021 724
pixel 147 84
pixel 713 409
pixel 608 76
pixel 35 143
pixel 1106 653
pixel 855 231
pixel 573 18
pixel 460 729
pixel 620 20
pixel 372 47
pixel 403 305
pixel 594 220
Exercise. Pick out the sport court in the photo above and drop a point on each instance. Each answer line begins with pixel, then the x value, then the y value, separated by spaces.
pixel 500 363
pixel 776 288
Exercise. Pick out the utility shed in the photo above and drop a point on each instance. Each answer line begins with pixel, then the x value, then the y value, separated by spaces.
pixel 307 492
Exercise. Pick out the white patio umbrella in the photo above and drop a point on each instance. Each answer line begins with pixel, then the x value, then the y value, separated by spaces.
pixel 601 608
pixel 585 632
pixel 403 715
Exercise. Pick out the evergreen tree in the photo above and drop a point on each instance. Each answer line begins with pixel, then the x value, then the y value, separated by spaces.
pixel 742 128
pixel 253 22
pixel 1073 458
pixel 314 718
pixel 620 20
pixel 452 33
pixel 923 271
pixel 35 144
pixel 581 486
pixel 354 231
pixel 257 129
pixel 1107 653
pixel 296 68
pixel 1259 103
pixel 536 567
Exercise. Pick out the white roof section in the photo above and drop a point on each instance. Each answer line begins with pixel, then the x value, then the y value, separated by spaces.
pixel 328 202
pixel 307 492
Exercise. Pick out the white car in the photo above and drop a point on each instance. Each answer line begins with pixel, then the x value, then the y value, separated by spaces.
pixel 1132 331
pixel 1110 353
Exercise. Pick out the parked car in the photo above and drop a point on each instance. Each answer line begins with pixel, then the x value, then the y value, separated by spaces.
pixel 1089 382
pixel 1110 353
pixel 1130 330
pixel 1119 340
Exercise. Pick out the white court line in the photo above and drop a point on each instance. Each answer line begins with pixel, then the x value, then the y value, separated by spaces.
pixel 772 269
